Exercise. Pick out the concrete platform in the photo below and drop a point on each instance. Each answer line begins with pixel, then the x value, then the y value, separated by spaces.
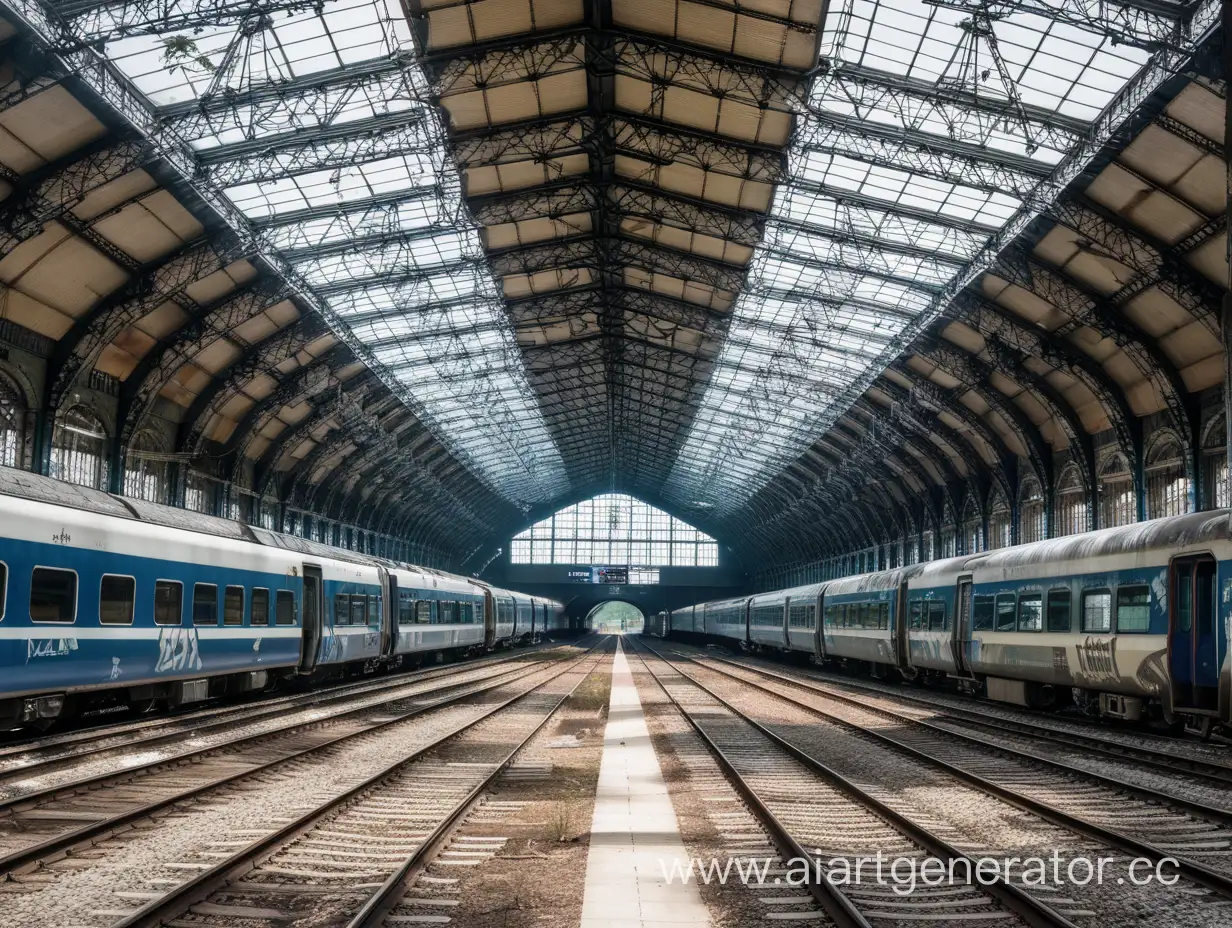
pixel 634 836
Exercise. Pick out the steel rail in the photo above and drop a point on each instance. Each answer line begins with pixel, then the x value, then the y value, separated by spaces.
pixel 1014 899
pixel 159 911
pixel 1223 816
pixel 58 846
pixel 1190 869
pixel 211 719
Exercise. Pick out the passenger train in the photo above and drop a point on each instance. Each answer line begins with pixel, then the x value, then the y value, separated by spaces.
pixel 1128 623
pixel 106 600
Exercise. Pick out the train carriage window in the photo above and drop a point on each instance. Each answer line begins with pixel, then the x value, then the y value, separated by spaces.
pixel 406 611
pixel 4 588
pixel 936 616
pixel 53 595
pixel 205 604
pixel 883 619
pixel 233 605
pixel 468 613
pixel 1006 621
pixel 828 614
pixel 982 614
pixel 863 620
pixel 284 608
pixel 359 610
pixel 1031 612
pixel 374 610
pixel 1133 608
pixel 342 609
pixel 168 602
pixel 423 612
pixel 917 613
pixel 1058 611
pixel 1097 611
pixel 260 606
pixel 116 595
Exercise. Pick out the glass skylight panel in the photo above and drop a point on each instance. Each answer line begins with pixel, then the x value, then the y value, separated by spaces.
pixel 408 275
pixel 877 229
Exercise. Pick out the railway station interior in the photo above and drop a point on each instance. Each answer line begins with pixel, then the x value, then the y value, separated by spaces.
pixel 615 464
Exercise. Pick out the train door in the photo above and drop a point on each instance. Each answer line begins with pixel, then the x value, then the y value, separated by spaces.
pixel 389 620
pixel 819 638
pixel 901 642
pixel 961 642
pixel 310 642
pixel 1193 640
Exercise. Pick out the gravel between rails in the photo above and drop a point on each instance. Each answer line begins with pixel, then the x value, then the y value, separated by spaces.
pixel 17 759
pixel 130 756
pixel 55 816
pixel 1177 784
pixel 530 834
pixel 980 824
pixel 1182 833
pixel 714 820
pixel 829 823
pixel 100 886
pixel 1213 751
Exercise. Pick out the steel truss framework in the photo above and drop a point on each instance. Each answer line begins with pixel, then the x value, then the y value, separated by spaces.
pixel 707 347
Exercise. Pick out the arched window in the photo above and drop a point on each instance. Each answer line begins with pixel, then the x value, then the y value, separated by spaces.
pixel 79 449
pixel 614 529
pixel 1072 512
pixel 1167 487
pixel 201 493
pixel 928 546
pixel 999 520
pixel 1117 502
pixel 12 423
pixel 1031 515
pixel 1215 465
pixel 949 531
pixel 145 468
pixel 972 527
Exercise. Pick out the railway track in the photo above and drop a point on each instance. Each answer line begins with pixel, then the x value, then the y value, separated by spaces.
pixel 1215 768
pixel 99 762
pixel 48 824
pixel 349 860
pixel 29 755
pixel 815 814
pixel 1081 814
pixel 1124 815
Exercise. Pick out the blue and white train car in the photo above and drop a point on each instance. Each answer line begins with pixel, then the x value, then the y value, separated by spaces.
pixel 859 620
pixel 433 611
pixel 100 600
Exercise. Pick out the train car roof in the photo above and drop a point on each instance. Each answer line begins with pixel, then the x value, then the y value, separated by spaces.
pixel 1168 534
pixel 872 583
pixel 734 601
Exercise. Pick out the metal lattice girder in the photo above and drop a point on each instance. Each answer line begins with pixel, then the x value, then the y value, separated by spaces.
pixel 704 217
pixel 1155 262
pixel 994 321
pixel 256 359
pixel 307 380
pixel 142 387
pixel 1087 309
pixel 429 206
pixel 563 200
pixel 53 190
pixel 660 145
pixel 466 69
pixel 78 352
pixel 877 256
pixel 841 87
pixel 962 368
pixel 435 249
pixel 1141 23
pixel 271 158
pixel 93 23
pixel 538 140
pixel 299 104
pixel 922 153
pixel 410 288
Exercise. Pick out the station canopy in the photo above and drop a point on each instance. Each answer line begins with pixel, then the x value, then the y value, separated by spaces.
pixel 653 246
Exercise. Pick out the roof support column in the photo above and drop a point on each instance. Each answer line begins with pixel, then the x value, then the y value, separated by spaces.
pixel 1226 315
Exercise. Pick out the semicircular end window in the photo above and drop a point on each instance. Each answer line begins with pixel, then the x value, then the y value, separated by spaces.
pixel 1031 513
pixel 1167 486
pixel 1072 511
pixel 79 449
pixel 1118 503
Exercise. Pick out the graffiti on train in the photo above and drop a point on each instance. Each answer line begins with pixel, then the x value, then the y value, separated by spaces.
pixel 178 649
